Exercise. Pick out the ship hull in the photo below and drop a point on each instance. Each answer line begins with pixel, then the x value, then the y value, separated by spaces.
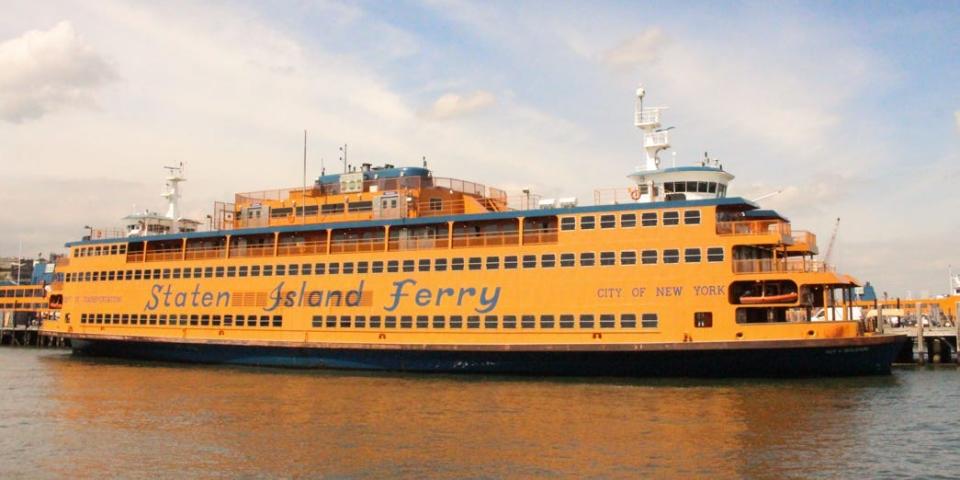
pixel 861 356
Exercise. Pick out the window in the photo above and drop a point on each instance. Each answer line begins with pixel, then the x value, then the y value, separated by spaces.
pixel 333 268
pixel 408 265
pixel 456 321
pixel 608 321
pixel 406 321
pixel 510 262
pixel 628 320
pixel 671 255
pixel 703 319
pixel 363 267
pixel 456 264
pixel 317 321
pixel 587 259
pixel 439 321
pixel 331 321
pixel 231 272
pixel 423 321
pixel 377 267
pixel 176 274
pixel 490 322
pixel 715 254
pixel 242 272
pixel 628 220
pixel 375 321
pixel 267 270
pixel 671 218
pixel 649 320
pixel 344 321
pixel 586 321
pixel 608 221
pixel 628 257
pixel 390 321
pixel 436 204
pixel 493 263
pixel 166 273
pixel 608 258
pixel 691 255
pixel 473 321
pixel 648 219
pixel 691 217
pixel 528 321
pixel 393 266
pixel 423 265
pixel 648 257
pixel 265 321
pixel 306 269
pixel 509 321
pixel 548 260
pixel 567 259
pixel 293 270
pixel 255 271
pixel 587 222
pixel 529 261
pixel 568 223
pixel 547 321
pixel 566 321
pixel 227 321
pixel 475 263
pixel 440 264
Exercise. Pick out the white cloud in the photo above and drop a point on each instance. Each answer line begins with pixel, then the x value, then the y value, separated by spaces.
pixel 45 71
pixel 643 48
pixel 454 105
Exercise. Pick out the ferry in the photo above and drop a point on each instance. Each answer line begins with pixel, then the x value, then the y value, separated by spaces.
pixel 395 268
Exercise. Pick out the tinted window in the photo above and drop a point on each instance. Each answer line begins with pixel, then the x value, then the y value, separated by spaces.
pixel 648 257
pixel 691 217
pixel 608 258
pixel 568 223
pixel 529 261
pixel 648 219
pixel 548 260
pixel 628 320
pixel 587 259
pixel 691 255
pixel 608 221
pixel 587 222
pixel 628 220
pixel 671 255
pixel 715 254
pixel 628 257
pixel 649 320
pixel 567 259
pixel 671 218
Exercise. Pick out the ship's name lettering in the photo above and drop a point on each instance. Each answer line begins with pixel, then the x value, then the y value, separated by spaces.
pixel 485 299
pixel 709 290
pixel 168 297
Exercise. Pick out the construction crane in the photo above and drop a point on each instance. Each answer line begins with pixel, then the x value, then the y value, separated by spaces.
pixel 833 240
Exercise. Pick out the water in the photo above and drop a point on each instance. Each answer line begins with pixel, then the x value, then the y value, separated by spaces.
pixel 63 416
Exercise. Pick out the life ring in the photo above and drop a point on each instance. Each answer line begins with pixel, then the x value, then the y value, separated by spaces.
pixel 635 193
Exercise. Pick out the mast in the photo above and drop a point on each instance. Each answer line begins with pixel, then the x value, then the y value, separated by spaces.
pixel 172 194
pixel 655 139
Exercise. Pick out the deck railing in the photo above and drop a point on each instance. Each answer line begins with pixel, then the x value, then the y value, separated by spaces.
pixel 485 239
pixel 164 255
pixel 793 265
pixel 802 237
pixel 538 236
pixel 205 253
pixel 251 251
pixel 303 248
pixel 754 227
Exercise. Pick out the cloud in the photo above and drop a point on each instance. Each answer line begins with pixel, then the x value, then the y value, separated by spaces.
pixel 643 48
pixel 454 105
pixel 45 71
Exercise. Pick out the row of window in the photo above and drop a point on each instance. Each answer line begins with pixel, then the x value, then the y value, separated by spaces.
pixel 509 262
pixel 629 220
pixel 490 322
pixel 99 250
pixel 21 292
pixel 22 306
pixel 264 321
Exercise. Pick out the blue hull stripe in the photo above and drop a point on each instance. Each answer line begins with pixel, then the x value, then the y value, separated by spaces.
pixel 771 362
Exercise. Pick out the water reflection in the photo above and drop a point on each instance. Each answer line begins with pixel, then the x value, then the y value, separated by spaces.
pixel 141 420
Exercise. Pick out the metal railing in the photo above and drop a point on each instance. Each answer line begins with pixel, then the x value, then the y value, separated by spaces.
pixel 656 139
pixel 792 265
pixel 485 239
pixel 754 227
pixel 803 237
pixel 251 251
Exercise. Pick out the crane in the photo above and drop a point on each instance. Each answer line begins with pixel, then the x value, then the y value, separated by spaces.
pixel 833 240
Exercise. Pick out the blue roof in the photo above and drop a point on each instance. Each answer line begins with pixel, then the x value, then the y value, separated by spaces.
pixel 758 214
pixel 438 219
pixel 376 173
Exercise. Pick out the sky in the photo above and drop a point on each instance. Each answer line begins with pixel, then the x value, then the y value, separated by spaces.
pixel 851 109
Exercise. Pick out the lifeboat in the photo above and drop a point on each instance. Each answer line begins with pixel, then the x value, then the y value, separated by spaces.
pixel 783 298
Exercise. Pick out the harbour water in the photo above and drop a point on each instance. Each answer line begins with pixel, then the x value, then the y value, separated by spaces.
pixel 64 416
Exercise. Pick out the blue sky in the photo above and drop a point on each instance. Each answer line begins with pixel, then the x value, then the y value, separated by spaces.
pixel 851 108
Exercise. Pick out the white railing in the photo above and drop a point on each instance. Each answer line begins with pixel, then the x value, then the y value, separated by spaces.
pixel 656 139
pixel 648 116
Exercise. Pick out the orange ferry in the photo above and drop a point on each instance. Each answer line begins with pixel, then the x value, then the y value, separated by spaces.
pixel 388 268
